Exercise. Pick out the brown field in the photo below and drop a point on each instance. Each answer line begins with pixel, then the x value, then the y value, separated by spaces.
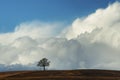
pixel 61 75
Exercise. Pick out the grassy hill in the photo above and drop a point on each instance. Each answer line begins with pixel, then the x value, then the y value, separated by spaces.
pixel 61 75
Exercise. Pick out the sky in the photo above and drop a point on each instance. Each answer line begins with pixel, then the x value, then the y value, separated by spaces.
pixel 71 34
pixel 13 12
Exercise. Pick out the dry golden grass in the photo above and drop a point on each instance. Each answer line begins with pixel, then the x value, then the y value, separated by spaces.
pixel 61 75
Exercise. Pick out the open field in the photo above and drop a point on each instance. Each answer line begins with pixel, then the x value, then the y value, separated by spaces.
pixel 61 75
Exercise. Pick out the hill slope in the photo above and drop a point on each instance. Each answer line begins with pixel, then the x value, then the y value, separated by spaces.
pixel 61 75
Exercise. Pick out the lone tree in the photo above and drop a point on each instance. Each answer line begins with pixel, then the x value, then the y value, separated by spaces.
pixel 43 63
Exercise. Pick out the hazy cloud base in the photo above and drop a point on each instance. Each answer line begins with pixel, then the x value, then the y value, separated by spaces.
pixel 91 42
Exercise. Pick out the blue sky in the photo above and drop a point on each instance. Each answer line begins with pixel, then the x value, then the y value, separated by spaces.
pixel 14 12
pixel 60 33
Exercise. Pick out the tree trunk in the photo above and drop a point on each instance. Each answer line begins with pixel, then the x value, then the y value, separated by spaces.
pixel 44 68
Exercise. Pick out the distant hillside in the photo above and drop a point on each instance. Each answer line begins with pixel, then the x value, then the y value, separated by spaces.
pixel 61 75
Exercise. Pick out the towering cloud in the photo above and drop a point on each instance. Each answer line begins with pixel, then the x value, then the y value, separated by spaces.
pixel 90 42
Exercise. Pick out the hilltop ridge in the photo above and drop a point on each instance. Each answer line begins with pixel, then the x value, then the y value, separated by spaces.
pixel 61 75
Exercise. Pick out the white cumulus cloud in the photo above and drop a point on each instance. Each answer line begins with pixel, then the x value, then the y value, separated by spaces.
pixel 90 42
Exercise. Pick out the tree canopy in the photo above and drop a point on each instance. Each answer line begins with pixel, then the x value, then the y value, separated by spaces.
pixel 43 63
